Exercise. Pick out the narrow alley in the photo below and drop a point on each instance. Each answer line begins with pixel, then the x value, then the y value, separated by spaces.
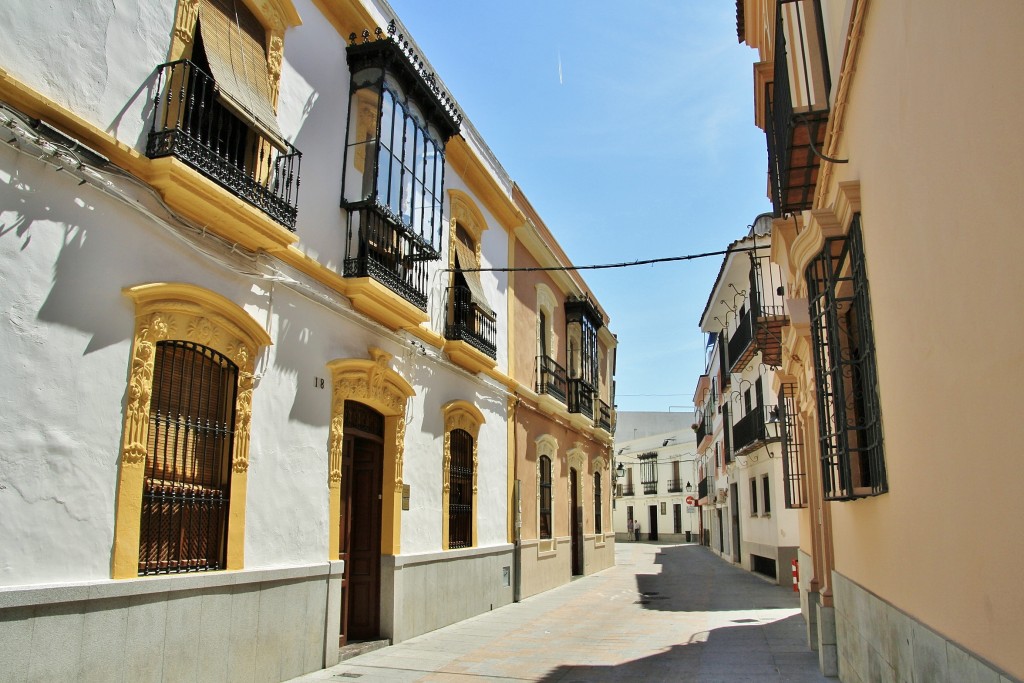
pixel 662 613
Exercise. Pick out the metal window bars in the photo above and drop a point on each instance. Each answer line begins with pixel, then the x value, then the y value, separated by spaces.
pixel 849 413
pixel 186 488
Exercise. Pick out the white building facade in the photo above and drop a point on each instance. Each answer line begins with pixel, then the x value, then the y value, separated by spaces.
pixel 742 465
pixel 655 476
pixel 243 425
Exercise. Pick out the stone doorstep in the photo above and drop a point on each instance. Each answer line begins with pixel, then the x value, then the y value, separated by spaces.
pixel 360 647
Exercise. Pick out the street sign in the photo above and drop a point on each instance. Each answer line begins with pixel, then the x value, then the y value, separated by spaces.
pixel 690 500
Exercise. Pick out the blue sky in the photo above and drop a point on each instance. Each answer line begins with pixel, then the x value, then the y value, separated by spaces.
pixel 630 128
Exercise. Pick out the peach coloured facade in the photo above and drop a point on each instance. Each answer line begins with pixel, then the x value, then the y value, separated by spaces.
pixel 923 134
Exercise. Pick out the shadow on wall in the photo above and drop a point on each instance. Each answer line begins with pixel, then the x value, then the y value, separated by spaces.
pixel 141 104
pixel 77 298
pixel 293 358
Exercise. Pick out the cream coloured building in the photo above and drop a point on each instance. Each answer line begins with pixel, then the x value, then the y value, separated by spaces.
pixel 895 167
pixel 741 460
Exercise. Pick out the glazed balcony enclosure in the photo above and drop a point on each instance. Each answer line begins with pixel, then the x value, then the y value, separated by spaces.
pixel 399 122
pixel 202 123
pixel 582 322
pixel 796 105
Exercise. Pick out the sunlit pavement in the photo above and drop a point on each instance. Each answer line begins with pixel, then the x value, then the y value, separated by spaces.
pixel 663 613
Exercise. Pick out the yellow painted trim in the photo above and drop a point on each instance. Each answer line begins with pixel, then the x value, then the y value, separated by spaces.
pixel 374 300
pixel 467 417
pixel 466 213
pixel 512 464
pixel 206 203
pixel 185 190
pixel 184 312
pixel 347 16
pixel 466 163
pixel 764 73
pixel 37 105
pixel 372 382
pixel 467 357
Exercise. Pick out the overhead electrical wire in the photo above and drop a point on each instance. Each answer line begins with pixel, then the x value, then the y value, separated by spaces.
pixel 603 266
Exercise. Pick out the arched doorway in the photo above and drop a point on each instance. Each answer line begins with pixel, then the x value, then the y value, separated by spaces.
pixel 360 521
pixel 365 486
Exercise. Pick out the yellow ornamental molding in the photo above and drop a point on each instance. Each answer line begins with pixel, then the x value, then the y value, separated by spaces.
pixel 371 382
pixel 180 311
pixel 467 417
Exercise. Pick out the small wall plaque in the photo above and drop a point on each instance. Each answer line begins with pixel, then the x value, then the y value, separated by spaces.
pixel 405 496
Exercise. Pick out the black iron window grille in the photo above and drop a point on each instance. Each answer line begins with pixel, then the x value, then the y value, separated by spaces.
pixel 793 476
pixel 604 415
pixel 551 378
pixel 796 104
pixel 471 323
pixel 766 494
pixel 675 484
pixel 186 489
pixel 460 490
pixel 192 125
pixel 597 503
pixel 753 497
pixel 470 318
pixel 758 426
pixel 649 472
pixel 724 368
pixel 726 434
pixel 215 112
pixel 399 121
pixel 544 516
pixel 849 413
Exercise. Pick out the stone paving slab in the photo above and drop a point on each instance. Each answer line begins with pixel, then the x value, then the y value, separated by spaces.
pixel 662 613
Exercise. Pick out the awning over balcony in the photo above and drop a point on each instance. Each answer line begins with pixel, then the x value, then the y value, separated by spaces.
pixel 234 42
pixel 465 258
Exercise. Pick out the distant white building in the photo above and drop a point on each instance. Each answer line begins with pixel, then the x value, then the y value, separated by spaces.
pixel 741 465
pixel 656 482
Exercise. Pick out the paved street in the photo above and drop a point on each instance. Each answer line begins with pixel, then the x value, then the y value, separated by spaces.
pixel 663 613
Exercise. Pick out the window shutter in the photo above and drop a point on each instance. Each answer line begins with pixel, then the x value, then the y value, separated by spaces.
pixel 234 41
pixel 465 258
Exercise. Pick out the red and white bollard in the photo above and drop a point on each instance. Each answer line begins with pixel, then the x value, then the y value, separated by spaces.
pixel 796 576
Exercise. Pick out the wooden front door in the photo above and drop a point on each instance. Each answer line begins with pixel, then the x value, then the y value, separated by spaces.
pixel 362 472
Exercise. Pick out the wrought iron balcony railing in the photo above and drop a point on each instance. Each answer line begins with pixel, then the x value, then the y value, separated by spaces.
pixel 702 430
pixel 675 485
pixel 471 323
pixel 379 249
pixel 603 420
pixel 796 110
pixel 650 487
pixel 740 346
pixel 581 398
pixel 192 126
pixel 756 427
pixel 551 378
pixel 627 490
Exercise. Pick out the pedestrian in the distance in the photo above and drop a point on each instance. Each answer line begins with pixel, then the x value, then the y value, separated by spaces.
pixel 636 529
pixel 629 529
